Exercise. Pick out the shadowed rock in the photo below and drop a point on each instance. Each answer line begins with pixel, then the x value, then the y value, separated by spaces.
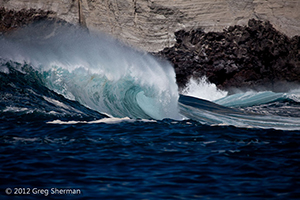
pixel 255 56
pixel 10 19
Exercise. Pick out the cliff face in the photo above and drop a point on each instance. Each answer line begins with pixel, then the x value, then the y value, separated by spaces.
pixel 255 57
pixel 150 24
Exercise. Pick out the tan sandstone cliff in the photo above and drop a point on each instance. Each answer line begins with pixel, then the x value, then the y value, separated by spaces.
pixel 150 24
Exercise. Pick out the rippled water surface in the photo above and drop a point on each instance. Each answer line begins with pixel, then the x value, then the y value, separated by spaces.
pixel 150 160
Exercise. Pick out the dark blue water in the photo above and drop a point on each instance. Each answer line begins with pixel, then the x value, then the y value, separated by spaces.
pixel 149 160
pixel 81 133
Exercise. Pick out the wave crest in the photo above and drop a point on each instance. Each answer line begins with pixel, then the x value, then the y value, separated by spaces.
pixel 97 71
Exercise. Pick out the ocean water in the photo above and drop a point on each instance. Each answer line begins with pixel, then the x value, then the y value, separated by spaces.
pixel 86 117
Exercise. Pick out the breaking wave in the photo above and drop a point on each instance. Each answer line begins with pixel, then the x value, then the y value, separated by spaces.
pixel 80 77
pixel 96 71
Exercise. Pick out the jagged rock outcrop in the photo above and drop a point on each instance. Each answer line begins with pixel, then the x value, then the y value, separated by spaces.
pixel 150 24
pixel 256 56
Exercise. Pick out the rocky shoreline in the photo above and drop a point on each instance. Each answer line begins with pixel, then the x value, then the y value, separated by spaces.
pixel 256 57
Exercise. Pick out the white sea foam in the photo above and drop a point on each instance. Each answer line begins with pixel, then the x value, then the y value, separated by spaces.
pixel 203 89
pixel 57 121
pixel 16 109
pixel 110 120
pixel 56 103
pixel 4 69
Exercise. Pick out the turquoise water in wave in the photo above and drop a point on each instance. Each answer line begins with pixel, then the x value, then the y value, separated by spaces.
pixel 85 117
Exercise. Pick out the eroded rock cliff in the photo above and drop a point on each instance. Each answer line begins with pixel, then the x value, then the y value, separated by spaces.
pixel 150 24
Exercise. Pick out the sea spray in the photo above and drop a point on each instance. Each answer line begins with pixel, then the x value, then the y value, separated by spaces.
pixel 96 71
pixel 203 89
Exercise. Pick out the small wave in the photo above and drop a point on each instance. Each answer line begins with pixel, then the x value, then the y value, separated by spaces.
pixel 253 98
pixel 249 98
pixel 213 114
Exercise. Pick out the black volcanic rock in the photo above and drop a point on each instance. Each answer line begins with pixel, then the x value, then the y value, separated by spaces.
pixel 254 56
